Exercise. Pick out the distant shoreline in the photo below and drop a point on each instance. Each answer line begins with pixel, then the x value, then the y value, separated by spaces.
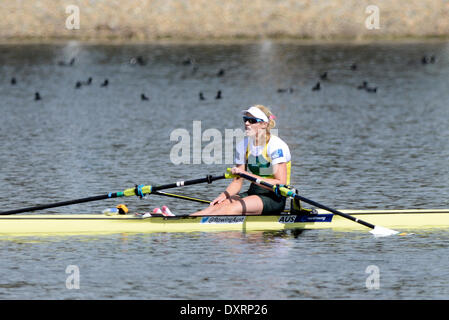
pixel 148 21
pixel 230 41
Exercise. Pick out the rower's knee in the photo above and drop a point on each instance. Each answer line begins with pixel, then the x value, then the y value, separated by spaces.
pixel 237 206
pixel 230 201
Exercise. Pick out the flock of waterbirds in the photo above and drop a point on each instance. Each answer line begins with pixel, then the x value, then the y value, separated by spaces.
pixel 139 60
pixel 364 86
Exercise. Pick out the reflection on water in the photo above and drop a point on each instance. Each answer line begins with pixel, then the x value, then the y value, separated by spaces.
pixel 351 147
pixel 316 264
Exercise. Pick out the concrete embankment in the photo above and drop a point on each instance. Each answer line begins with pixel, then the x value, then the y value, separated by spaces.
pixel 222 19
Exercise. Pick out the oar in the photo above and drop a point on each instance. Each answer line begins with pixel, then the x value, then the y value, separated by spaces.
pixel 286 192
pixel 140 190
pixel 189 198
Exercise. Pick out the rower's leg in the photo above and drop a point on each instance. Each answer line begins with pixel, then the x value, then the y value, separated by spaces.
pixel 251 205
pixel 211 209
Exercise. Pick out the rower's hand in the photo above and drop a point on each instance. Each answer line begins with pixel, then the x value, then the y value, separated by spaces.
pixel 222 197
pixel 237 170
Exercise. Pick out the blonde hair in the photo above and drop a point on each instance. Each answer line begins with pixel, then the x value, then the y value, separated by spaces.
pixel 270 116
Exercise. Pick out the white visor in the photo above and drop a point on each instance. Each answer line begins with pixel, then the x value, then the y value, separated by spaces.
pixel 256 113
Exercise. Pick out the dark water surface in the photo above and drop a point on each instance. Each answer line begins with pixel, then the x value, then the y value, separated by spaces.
pixel 351 149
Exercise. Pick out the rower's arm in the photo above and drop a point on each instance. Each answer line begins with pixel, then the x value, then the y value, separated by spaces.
pixel 280 174
pixel 236 184
pixel 233 188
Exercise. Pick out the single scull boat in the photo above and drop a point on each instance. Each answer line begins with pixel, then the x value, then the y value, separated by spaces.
pixel 323 218
pixel 80 224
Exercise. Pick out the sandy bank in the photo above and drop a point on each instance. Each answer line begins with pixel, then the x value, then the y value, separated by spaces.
pixel 230 19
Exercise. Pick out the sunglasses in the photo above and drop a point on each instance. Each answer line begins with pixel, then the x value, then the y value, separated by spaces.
pixel 251 120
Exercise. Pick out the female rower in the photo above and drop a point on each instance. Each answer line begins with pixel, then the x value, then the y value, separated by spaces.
pixel 262 155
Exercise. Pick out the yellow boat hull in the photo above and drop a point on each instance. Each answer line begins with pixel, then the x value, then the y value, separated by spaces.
pixel 80 224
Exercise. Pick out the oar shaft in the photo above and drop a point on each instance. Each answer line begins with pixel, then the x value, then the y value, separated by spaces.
pixel 347 216
pixel 57 204
pixel 208 179
pixel 125 193
pixel 289 193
